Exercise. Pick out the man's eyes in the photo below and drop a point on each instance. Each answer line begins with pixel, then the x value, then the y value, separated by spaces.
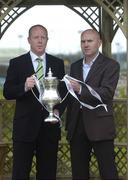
pixel 86 41
pixel 43 37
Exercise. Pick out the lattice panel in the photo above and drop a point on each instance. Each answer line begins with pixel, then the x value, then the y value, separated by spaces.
pixel 7 6
pixel 6 121
pixel 120 115
pixel 116 9
pixel 115 27
pixel 3 154
pixel 93 166
pixel 64 163
pixel 121 160
pixel 91 15
pixel 9 12
pixel 10 17
pixel 8 161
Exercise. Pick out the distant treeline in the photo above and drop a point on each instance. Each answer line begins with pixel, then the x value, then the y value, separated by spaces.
pixel 121 58
pixel 70 58
pixel 3 70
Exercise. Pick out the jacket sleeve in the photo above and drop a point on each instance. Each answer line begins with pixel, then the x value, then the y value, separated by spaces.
pixel 13 86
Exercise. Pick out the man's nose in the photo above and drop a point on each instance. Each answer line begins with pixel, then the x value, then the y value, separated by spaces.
pixel 86 44
pixel 40 39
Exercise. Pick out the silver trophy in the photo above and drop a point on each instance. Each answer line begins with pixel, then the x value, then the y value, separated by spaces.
pixel 49 95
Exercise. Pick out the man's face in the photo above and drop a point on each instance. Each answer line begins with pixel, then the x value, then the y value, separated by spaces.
pixel 38 40
pixel 90 43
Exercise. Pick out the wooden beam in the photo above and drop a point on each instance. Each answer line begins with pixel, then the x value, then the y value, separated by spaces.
pixel 59 2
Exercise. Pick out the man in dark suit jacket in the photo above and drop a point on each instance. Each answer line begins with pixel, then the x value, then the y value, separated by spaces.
pixel 89 128
pixel 31 135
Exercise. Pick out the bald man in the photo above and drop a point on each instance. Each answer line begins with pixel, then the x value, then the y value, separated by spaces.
pixel 89 129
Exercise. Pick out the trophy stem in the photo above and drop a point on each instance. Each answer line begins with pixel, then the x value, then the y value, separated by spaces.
pixel 51 118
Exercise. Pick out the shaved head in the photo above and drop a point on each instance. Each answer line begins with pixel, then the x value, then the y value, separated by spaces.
pixel 90 43
pixel 92 31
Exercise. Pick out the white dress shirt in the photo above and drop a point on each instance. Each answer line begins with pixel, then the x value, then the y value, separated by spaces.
pixel 86 68
pixel 35 63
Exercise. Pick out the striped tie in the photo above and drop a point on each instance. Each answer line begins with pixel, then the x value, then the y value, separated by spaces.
pixel 39 70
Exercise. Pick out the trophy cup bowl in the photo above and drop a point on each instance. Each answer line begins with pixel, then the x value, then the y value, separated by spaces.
pixel 50 96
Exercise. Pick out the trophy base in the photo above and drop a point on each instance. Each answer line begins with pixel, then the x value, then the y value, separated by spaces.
pixel 51 119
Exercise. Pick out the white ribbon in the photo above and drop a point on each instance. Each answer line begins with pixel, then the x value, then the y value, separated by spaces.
pixel 67 79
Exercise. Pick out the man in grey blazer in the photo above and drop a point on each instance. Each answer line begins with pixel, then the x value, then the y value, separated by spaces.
pixel 92 128
pixel 31 135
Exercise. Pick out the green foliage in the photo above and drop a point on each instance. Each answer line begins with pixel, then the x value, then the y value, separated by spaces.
pixel 1 93
pixel 121 92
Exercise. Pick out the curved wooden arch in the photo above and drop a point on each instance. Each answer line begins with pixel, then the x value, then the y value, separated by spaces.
pixel 117 9
pixel 83 12
pixel 109 15
pixel 9 20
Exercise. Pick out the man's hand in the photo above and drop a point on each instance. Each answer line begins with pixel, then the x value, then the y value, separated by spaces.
pixel 29 83
pixel 75 85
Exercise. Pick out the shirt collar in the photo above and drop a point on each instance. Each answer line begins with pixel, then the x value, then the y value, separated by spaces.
pixel 91 61
pixel 34 56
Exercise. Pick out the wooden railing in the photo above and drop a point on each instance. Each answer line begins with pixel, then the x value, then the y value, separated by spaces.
pixel 64 165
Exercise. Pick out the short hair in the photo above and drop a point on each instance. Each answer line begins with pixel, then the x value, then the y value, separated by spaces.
pixel 37 25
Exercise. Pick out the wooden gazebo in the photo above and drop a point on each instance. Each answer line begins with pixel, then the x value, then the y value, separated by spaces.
pixel 106 16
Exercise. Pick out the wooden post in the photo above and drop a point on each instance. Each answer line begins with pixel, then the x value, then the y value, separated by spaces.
pixel 106 30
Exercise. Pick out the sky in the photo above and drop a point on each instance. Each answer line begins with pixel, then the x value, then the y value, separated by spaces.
pixel 64 28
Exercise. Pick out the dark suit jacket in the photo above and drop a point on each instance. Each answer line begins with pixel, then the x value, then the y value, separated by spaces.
pixel 29 113
pixel 103 78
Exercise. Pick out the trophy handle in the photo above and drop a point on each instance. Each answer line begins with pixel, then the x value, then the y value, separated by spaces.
pixel 40 88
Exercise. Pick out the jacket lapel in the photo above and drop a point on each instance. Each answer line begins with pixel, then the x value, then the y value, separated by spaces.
pixel 78 71
pixel 95 68
pixel 28 62
pixel 30 70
